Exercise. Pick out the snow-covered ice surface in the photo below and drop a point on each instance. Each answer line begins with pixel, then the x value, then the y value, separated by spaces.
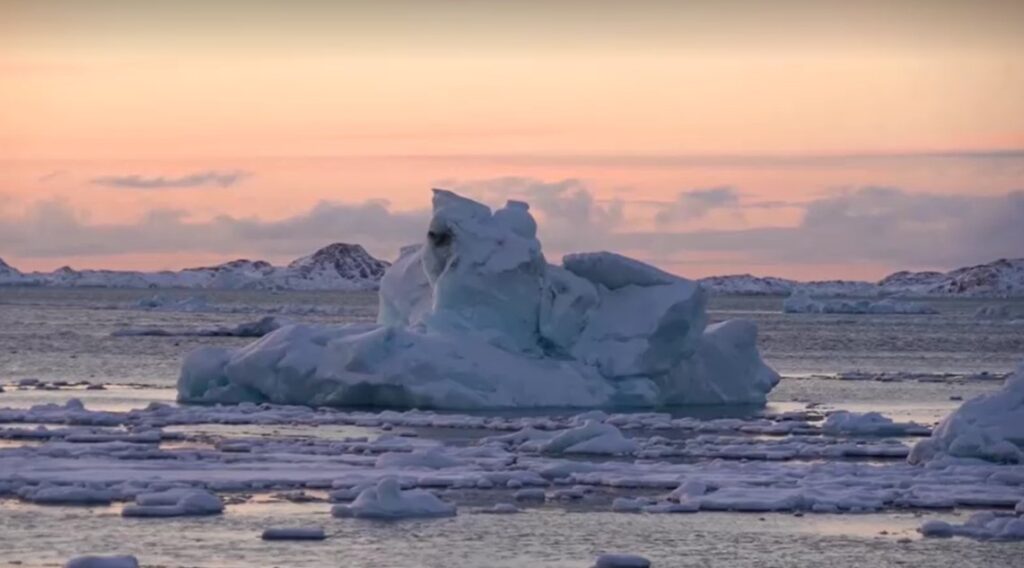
pixel 476 318
pixel 700 483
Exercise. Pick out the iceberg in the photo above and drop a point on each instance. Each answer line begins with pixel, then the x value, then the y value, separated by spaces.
pixel 475 317
pixel 989 427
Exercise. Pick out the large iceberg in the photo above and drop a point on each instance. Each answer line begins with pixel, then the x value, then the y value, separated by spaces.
pixel 475 317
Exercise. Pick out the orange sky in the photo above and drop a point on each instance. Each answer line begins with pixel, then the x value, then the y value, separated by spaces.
pixel 348 102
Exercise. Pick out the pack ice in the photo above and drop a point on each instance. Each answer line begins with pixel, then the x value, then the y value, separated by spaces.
pixel 475 317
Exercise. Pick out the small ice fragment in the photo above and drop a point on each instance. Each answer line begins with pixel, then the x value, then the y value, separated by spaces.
pixel 174 503
pixel 294 533
pixel 102 562
pixel 937 528
pixel 621 561
pixel 502 509
pixel 530 494
pixel 387 500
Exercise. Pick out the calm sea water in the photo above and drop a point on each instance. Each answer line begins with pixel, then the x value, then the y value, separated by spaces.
pixel 67 335
pixel 54 334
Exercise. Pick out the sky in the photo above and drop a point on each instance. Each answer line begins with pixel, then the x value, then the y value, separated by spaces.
pixel 802 139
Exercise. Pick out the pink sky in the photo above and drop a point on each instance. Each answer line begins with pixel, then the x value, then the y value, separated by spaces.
pixel 787 105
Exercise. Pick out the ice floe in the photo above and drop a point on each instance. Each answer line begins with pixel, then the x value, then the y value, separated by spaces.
pixel 174 503
pixel 476 318
pixel 986 525
pixel 770 462
pixel 870 424
pixel 387 500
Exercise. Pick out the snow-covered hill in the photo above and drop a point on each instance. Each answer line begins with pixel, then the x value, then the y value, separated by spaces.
pixel 334 267
pixel 339 266
pixel 10 275
pixel 1000 278
pixel 342 266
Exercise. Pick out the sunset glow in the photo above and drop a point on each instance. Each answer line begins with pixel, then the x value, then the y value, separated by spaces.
pixel 112 115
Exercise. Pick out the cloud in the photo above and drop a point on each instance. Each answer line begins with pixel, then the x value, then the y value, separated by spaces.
pixel 875 225
pixel 53 228
pixel 872 224
pixel 51 175
pixel 198 179
pixel 697 203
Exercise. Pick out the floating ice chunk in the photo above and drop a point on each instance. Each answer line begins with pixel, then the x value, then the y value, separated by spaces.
pixel 983 526
pixel 66 495
pixel 431 458
pixel 592 438
pixel 937 528
pixel 294 533
pixel 751 500
pixel 621 561
pixel 175 503
pixel 988 427
pixel 501 509
pixel 102 562
pixel 689 490
pixel 387 500
pixel 869 424
pixel 476 318
pixel 530 494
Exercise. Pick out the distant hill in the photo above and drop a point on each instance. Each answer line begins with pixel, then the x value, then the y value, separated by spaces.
pixel 339 266
pixel 343 266
pixel 998 279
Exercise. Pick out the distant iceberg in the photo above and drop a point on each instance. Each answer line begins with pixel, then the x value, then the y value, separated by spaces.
pixel 800 302
pixel 475 317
